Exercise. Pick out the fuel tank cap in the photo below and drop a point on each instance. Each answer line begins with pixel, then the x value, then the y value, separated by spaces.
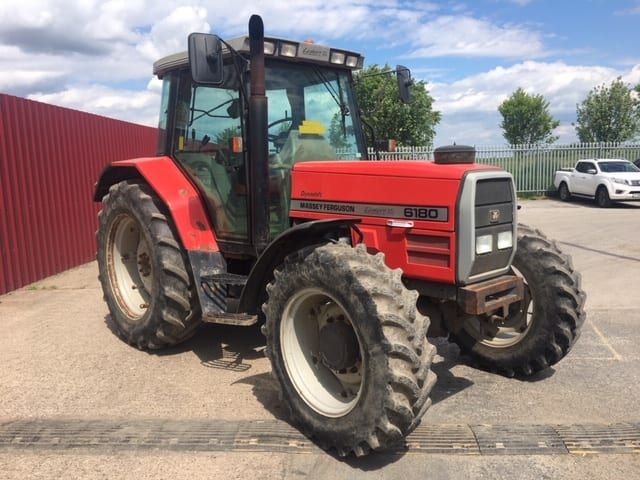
pixel 454 154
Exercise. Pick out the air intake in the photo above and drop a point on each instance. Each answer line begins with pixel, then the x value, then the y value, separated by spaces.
pixel 454 154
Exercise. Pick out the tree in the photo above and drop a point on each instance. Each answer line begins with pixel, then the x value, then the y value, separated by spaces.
pixel 526 119
pixel 412 124
pixel 610 113
pixel 337 134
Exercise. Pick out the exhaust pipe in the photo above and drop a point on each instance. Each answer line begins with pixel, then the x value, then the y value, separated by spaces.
pixel 258 143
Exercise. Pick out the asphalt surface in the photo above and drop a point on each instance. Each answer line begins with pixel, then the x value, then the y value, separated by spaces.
pixel 60 362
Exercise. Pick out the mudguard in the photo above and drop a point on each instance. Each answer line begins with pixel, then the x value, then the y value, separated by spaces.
pixel 176 191
pixel 299 236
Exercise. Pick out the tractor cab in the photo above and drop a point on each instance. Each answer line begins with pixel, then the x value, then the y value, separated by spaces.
pixel 312 115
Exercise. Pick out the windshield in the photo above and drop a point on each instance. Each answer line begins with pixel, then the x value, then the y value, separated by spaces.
pixel 311 114
pixel 618 167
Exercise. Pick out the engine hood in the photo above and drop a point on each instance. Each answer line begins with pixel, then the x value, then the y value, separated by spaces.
pixel 624 175
pixel 381 190
pixel 402 168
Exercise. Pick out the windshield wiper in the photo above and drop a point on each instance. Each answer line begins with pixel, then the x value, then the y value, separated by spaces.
pixel 337 97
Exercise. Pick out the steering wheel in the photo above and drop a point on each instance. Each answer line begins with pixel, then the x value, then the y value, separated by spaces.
pixel 273 137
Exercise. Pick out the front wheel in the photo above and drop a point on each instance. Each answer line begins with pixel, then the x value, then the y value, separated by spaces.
pixel 541 329
pixel 602 198
pixel 348 348
pixel 143 269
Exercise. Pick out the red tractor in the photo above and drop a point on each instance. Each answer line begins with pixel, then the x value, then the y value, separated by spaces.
pixel 261 207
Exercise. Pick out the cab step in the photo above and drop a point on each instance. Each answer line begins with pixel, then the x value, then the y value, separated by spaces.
pixel 238 319
pixel 225 278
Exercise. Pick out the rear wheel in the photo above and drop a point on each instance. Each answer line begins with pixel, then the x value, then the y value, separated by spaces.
pixel 541 329
pixel 348 348
pixel 143 270
pixel 602 197
pixel 565 195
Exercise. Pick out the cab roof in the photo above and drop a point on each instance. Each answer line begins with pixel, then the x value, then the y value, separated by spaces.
pixel 293 51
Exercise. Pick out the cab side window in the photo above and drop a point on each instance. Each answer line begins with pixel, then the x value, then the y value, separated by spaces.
pixel 209 144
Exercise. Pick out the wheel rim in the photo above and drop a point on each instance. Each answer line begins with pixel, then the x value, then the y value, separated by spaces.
pixel 129 266
pixel 513 329
pixel 330 392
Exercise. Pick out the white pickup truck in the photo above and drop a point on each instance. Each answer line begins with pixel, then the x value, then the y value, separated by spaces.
pixel 606 180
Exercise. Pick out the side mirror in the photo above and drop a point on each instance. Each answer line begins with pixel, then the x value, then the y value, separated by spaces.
pixel 592 171
pixel 205 59
pixel 404 82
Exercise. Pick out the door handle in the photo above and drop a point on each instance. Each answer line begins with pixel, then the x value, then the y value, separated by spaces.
pixel 400 223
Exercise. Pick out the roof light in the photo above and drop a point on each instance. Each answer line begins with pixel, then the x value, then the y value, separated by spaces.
pixel 337 57
pixel 269 48
pixel 288 49
pixel 351 61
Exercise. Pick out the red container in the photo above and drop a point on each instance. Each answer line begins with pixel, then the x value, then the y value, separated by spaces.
pixel 50 159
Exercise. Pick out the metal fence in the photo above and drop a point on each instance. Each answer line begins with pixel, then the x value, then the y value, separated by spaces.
pixel 50 158
pixel 532 166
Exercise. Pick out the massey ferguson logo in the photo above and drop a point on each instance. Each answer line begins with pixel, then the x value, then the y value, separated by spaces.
pixel 494 216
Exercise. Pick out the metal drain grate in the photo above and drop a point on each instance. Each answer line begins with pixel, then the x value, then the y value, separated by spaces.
pixel 449 439
pixel 592 438
pixel 518 440
pixel 277 436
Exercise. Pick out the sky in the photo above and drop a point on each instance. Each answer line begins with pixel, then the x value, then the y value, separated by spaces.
pixel 97 56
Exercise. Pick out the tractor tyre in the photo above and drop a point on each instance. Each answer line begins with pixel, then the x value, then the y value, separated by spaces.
pixel 144 272
pixel 541 329
pixel 348 348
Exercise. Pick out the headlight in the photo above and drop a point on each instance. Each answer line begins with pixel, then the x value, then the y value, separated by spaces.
pixel 622 181
pixel 484 244
pixel 505 240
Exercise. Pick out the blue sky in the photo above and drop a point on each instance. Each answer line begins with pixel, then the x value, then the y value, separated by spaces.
pixel 97 55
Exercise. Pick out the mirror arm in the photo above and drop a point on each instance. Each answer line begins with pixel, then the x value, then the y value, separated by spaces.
pixel 369 75
pixel 236 55
pixel 372 133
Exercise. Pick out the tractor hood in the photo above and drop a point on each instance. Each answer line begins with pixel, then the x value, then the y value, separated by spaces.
pixel 402 168
pixel 380 190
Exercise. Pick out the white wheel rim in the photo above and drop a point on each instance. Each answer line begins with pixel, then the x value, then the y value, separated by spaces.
pixel 507 333
pixel 330 393
pixel 129 266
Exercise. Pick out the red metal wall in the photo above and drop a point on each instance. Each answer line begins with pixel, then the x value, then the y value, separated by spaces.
pixel 50 158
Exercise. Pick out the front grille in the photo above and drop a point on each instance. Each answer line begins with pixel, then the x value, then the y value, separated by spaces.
pixel 493 214
pixel 486 208
pixel 635 183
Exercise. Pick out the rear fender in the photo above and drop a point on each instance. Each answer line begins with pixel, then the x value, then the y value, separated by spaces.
pixel 297 237
pixel 180 197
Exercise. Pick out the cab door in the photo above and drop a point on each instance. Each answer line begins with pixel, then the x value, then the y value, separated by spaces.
pixel 208 143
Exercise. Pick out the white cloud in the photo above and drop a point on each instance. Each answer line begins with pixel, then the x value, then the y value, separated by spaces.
pixel 634 10
pixel 130 105
pixel 522 3
pixel 472 37
pixel 470 105
pixel 93 54
pixel 169 34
